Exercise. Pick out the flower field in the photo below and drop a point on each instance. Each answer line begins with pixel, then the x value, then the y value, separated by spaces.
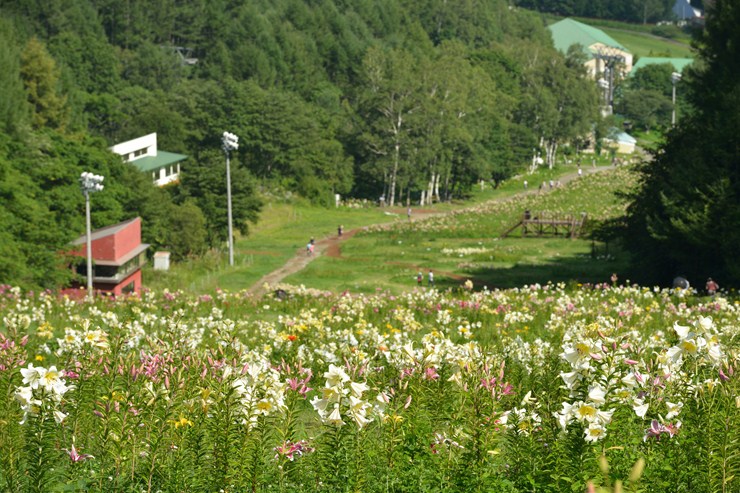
pixel 540 388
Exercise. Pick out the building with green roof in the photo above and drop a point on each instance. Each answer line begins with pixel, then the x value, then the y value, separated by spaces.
pixel 143 153
pixel 599 47
pixel 678 63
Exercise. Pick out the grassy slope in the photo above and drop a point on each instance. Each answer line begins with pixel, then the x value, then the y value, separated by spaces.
pixel 285 228
pixel 388 260
pixel 644 45
pixel 467 245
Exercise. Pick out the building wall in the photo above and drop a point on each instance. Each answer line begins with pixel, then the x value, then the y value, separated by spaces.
pixel 102 248
pixel 139 147
pixel 127 239
pixel 163 176
pixel 79 291
pixel 133 278
pixel 118 289
pixel 626 67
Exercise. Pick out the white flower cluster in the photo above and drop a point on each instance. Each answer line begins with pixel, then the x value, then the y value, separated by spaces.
pixel 75 341
pixel 465 251
pixel 700 343
pixel 260 390
pixel 530 355
pixel 525 419
pixel 44 389
pixel 342 398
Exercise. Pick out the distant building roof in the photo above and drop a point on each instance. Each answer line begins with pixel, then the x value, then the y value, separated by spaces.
pixel 567 32
pixel 623 137
pixel 684 10
pixel 153 163
pixel 103 232
pixel 143 153
pixel 678 63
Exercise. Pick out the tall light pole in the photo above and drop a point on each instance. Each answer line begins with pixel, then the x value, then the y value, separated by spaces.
pixel 675 77
pixel 604 84
pixel 230 143
pixel 89 183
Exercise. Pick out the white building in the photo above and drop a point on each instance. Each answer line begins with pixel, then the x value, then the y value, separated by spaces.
pixel 143 153
pixel 685 12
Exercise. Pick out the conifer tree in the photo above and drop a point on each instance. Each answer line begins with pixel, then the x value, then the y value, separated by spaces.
pixel 684 219
pixel 41 79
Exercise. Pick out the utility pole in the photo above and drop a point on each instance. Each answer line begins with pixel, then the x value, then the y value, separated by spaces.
pixel 89 183
pixel 230 143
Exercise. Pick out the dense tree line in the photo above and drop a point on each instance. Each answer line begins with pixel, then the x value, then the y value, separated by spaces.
pixel 643 11
pixel 411 100
pixel 684 219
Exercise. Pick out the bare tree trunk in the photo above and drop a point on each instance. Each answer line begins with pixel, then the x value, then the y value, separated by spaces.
pixel 396 160
pixel 550 150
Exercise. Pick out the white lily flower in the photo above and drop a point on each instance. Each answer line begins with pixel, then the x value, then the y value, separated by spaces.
pixel 335 376
pixel 640 408
pixel 673 409
pixel 681 331
pixel 597 394
pixel 32 376
pixel 594 432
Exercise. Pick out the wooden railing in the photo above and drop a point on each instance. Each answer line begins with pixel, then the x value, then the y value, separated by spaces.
pixel 548 223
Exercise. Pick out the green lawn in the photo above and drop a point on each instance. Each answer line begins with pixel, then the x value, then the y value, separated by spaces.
pixel 642 44
pixel 468 245
pixel 391 259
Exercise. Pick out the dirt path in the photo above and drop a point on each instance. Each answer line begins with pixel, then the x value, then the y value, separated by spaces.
pixel 331 245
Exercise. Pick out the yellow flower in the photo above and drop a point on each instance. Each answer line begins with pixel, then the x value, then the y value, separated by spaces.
pixel 45 331
pixel 264 406
pixel 183 421
pixel 39 358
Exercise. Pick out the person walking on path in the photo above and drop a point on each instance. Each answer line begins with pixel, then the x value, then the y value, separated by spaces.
pixel 431 278
pixel 339 230
pixel 419 277
pixel 712 287
pixel 408 213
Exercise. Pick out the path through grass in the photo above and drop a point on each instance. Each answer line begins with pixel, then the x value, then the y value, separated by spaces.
pixel 366 261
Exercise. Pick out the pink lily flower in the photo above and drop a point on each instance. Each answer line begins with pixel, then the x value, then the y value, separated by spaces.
pixel 76 456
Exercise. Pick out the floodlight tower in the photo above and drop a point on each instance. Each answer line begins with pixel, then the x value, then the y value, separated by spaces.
pixel 675 78
pixel 230 143
pixel 89 183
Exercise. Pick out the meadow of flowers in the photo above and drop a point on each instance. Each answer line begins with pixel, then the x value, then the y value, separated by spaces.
pixel 541 388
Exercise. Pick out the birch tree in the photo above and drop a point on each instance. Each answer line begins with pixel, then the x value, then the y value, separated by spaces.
pixel 391 95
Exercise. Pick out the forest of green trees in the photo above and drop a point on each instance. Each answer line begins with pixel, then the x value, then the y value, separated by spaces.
pixel 365 98
pixel 685 218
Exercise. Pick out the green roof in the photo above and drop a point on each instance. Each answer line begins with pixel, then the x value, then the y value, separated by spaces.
pixel 162 159
pixel 568 32
pixel 678 63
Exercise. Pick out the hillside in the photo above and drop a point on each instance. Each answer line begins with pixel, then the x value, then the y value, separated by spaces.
pixel 361 98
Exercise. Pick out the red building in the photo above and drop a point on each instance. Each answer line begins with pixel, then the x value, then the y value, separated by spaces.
pixel 118 256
